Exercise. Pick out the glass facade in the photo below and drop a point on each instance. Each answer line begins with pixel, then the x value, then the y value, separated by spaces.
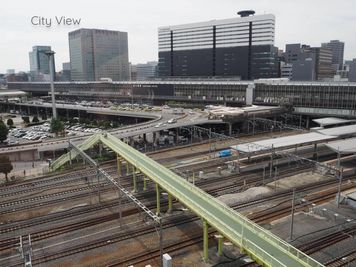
pixel 39 62
pixel 242 47
pixel 96 54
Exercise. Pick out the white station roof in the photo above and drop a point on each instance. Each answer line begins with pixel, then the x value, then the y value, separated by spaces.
pixel 331 121
pixel 282 142
pixel 338 131
pixel 346 146
pixel 11 93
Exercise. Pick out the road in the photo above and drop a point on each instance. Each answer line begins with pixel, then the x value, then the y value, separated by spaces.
pixel 189 118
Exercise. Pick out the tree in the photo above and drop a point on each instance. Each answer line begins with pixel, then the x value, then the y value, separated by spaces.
pixel 3 131
pixel 5 166
pixel 56 126
pixel 26 119
pixel 10 122
pixel 35 119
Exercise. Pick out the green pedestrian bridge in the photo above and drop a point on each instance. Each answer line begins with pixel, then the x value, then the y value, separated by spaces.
pixel 259 243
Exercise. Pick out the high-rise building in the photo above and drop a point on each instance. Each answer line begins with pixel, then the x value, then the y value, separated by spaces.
pixel 323 63
pixel 146 71
pixel 241 46
pixel 352 71
pixel 39 63
pixel 337 49
pixel 96 54
pixel 286 70
pixel 309 63
pixel 65 75
pixel 295 52
pixel 133 72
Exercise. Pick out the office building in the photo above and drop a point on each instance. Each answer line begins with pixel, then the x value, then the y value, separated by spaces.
pixel 295 52
pixel 65 75
pixel 39 64
pixel 337 49
pixel 142 72
pixel 286 70
pixel 323 63
pixel 241 46
pixel 133 72
pixel 96 54
pixel 304 70
pixel 309 63
pixel 352 71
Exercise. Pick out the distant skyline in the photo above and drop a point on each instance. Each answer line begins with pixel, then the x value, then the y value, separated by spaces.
pixel 306 22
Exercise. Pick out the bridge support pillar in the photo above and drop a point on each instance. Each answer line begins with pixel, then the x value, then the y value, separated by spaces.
pixel 230 128
pixel 134 179
pixel 127 167
pixel 100 149
pixel 145 179
pixel 158 196
pixel 315 154
pixel 119 165
pixel 205 241
pixel 170 203
pixel 220 239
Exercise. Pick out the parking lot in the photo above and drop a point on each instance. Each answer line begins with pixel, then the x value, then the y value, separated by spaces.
pixel 42 132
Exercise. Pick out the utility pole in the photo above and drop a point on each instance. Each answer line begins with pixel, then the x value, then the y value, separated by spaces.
pixel 292 216
pixel 50 55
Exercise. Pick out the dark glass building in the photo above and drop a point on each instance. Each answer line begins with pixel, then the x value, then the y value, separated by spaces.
pixel 242 46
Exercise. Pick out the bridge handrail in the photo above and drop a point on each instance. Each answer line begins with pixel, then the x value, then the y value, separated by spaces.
pixel 253 227
pixel 158 174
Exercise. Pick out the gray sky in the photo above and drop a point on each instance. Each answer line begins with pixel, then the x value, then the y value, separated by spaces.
pixel 304 21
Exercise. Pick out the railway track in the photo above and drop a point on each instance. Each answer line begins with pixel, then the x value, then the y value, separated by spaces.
pixel 318 244
pixel 347 260
pixel 91 246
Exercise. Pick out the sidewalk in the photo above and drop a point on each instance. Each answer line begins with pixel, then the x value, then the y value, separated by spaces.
pixel 26 170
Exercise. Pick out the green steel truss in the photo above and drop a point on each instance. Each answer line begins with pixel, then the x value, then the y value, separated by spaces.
pixel 263 246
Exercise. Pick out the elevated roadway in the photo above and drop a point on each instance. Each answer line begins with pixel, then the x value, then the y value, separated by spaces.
pixel 266 248
pixel 188 119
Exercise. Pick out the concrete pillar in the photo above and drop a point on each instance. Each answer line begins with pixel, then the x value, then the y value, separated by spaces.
pixel 230 128
pixel 119 165
pixel 315 154
pixel 145 179
pixel 158 198
pixel 170 203
pixel 100 149
pixel 134 179
pixel 127 167
pixel 154 137
pixel 176 136
pixel 205 241
pixel 67 113
pixel 220 239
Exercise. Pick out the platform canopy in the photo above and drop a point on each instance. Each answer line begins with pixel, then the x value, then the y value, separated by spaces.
pixel 346 146
pixel 339 131
pixel 282 142
pixel 11 93
pixel 332 121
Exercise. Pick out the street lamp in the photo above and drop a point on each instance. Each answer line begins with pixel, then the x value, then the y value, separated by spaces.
pixel 50 55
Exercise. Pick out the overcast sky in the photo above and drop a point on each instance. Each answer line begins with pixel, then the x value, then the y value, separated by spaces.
pixel 297 21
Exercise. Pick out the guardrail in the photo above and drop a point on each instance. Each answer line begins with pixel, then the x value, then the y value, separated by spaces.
pixel 237 228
